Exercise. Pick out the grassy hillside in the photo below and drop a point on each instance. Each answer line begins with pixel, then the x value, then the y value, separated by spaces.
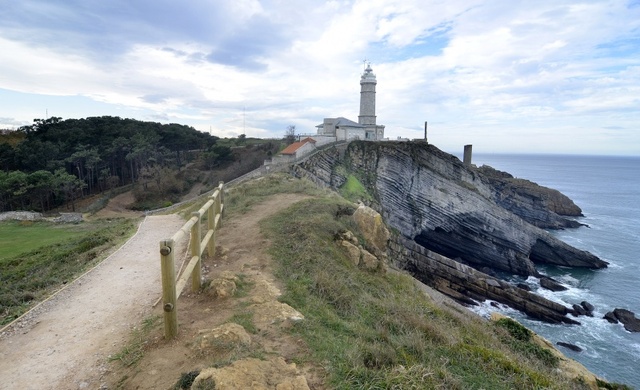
pixel 379 331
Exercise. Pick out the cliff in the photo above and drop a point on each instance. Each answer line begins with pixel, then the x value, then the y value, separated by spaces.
pixel 480 218
pixel 540 206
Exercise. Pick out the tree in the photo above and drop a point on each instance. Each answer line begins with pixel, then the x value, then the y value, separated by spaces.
pixel 7 157
pixel 40 186
pixel 216 155
pixel 85 161
pixel 290 134
pixel 67 186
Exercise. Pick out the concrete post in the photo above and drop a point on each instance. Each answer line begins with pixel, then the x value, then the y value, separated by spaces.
pixel 467 154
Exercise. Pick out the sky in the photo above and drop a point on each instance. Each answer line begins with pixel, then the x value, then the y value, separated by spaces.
pixel 508 76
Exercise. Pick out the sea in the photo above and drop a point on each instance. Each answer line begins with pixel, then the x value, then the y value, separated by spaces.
pixel 607 188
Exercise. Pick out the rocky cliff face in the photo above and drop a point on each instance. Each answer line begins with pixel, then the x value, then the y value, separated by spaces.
pixel 432 198
pixel 464 219
pixel 540 206
pixel 464 283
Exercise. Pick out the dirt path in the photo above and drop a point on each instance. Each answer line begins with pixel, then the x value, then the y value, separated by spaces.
pixel 64 343
pixel 241 250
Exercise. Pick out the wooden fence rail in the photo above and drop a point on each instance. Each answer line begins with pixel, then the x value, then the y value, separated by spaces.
pixel 172 287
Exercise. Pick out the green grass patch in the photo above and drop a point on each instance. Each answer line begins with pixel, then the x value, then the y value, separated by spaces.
pixel 37 269
pixel 18 237
pixel 244 318
pixel 378 331
pixel 243 285
pixel 353 190
pixel 521 340
pixel 240 199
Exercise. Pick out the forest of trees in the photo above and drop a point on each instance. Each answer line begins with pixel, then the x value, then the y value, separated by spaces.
pixel 55 161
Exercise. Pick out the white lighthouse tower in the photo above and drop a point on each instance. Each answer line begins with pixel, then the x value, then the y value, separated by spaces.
pixel 367 97
pixel 367 116
pixel 366 129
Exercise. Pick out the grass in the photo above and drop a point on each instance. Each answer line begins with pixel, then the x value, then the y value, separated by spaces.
pixel 245 319
pixel 521 340
pixel 36 269
pixel 18 237
pixel 243 286
pixel 353 190
pixel 240 199
pixel 378 331
pixel 133 351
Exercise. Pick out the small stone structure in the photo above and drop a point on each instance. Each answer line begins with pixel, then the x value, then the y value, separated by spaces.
pixel 468 150
pixel 34 216
pixel 21 216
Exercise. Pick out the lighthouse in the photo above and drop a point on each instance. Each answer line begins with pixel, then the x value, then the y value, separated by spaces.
pixel 367 97
pixel 344 129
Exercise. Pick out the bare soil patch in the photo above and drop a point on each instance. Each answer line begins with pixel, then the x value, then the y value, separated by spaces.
pixel 118 207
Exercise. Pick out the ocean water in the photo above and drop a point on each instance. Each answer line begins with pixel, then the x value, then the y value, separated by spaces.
pixel 608 191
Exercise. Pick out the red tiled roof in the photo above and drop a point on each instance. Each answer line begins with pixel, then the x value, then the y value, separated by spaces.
pixel 291 149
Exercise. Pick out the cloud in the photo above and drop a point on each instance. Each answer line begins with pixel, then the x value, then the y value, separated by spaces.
pixel 486 72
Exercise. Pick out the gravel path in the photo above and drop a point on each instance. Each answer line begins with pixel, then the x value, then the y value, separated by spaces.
pixel 64 343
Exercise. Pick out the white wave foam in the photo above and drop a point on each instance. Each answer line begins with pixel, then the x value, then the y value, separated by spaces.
pixel 636 351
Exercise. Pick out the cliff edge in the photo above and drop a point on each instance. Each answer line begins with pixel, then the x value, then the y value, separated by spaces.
pixel 479 218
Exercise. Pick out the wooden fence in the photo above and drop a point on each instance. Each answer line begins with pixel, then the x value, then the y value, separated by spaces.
pixel 172 287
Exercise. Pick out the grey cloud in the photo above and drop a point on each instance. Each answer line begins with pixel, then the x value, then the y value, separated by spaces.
pixel 160 117
pixel 6 121
pixel 104 29
pixel 243 49
pixel 154 98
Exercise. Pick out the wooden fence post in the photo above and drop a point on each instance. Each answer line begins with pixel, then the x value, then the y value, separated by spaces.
pixel 169 299
pixel 211 221
pixel 220 208
pixel 196 275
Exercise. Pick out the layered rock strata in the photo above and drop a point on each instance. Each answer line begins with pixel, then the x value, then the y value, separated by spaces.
pixel 540 206
pixel 431 197
pixel 467 218
pixel 463 282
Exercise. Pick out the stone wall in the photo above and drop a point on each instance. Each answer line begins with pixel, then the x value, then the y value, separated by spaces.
pixel 33 216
